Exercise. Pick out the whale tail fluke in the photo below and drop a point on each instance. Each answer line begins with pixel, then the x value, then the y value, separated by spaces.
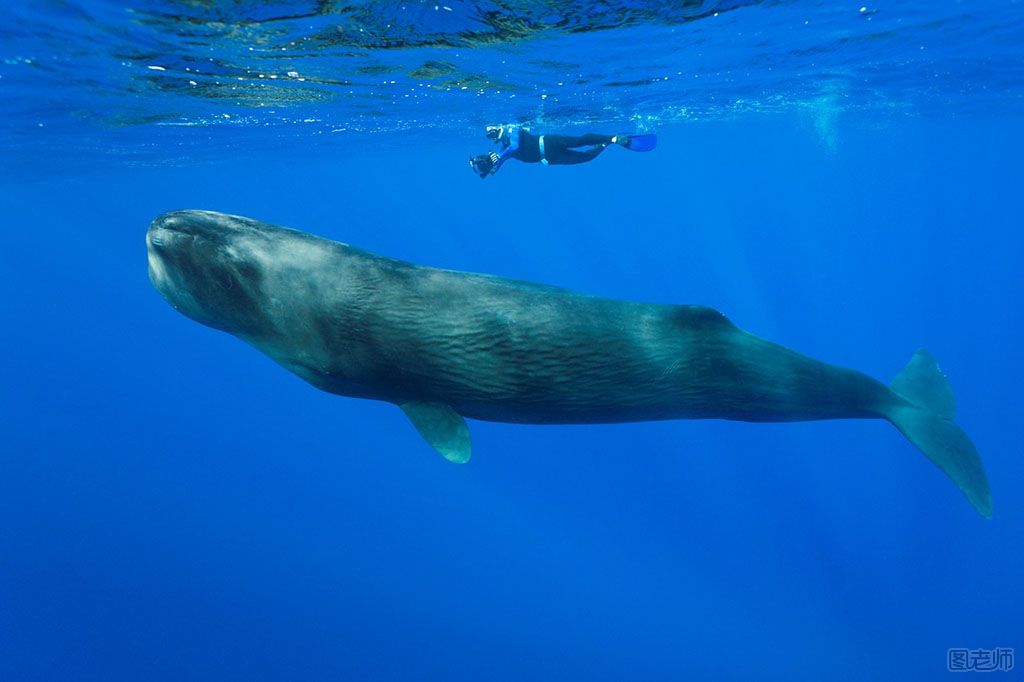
pixel 925 418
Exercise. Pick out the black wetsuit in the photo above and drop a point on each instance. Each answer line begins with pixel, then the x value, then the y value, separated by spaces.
pixel 522 145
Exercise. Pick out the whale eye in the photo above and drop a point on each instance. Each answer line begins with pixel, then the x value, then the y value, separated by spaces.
pixel 224 281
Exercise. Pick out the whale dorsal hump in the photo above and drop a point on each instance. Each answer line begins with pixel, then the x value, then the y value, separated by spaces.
pixel 702 317
pixel 442 427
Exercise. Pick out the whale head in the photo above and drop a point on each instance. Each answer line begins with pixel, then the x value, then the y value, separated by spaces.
pixel 283 291
pixel 211 267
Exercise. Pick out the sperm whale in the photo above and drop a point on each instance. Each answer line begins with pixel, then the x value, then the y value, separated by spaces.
pixel 446 345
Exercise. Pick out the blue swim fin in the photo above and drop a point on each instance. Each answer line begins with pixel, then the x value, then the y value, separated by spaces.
pixel 642 143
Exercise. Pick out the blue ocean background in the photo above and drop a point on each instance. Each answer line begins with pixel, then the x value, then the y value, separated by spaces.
pixel 844 180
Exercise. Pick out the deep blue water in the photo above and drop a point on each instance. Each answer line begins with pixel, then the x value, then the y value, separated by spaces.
pixel 175 506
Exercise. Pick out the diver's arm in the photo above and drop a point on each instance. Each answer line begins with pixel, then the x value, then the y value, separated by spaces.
pixel 512 146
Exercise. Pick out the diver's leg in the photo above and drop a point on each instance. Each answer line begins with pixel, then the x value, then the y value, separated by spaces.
pixel 561 156
pixel 570 141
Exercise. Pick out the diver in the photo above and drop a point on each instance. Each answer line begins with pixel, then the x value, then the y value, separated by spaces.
pixel 519 143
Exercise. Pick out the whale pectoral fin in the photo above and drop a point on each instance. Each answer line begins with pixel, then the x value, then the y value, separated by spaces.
pixel 442 427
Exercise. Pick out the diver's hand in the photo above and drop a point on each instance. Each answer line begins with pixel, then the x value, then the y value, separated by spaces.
pixel 494 161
